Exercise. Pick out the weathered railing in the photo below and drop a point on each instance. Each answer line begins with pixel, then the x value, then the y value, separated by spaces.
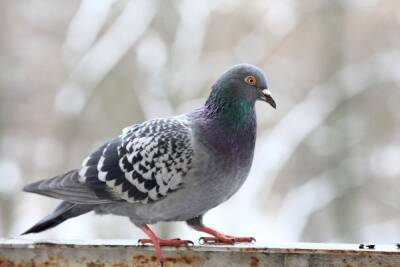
pixel 117 253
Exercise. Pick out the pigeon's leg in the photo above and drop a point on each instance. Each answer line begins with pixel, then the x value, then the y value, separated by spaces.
pixel 158 242
pixel 217 237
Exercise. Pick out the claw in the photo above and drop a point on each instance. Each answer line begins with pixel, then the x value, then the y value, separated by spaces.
pixel 220 238
pixel 208 240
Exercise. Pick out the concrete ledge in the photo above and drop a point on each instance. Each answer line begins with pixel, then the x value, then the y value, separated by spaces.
pixel 122 253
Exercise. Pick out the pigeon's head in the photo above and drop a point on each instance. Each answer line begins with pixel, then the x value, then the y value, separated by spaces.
pixel 245 82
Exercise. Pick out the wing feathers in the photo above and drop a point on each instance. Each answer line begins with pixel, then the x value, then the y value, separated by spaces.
pixel 144 164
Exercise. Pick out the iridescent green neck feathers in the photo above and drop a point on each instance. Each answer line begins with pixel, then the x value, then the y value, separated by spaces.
pixel 230 111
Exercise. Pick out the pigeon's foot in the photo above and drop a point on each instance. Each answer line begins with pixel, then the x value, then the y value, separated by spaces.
pixel 167 242
pixel 158 242
pixel 225 239
pixel 219 238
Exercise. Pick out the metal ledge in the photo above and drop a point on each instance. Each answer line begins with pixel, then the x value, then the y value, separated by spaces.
pixel 122 253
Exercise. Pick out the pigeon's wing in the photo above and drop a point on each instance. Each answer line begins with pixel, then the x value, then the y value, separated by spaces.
pixel 144 164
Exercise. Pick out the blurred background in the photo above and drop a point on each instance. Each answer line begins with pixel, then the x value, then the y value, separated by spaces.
pixel 327 162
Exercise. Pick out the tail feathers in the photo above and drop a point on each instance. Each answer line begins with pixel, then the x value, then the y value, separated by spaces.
pixel 66 187
pixel 63 212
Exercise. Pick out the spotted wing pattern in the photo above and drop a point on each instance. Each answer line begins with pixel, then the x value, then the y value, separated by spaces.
pixel 143 164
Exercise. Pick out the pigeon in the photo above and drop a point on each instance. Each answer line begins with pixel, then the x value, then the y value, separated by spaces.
pixel 169 169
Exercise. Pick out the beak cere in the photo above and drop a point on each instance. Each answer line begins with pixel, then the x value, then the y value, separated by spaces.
pixel 267 97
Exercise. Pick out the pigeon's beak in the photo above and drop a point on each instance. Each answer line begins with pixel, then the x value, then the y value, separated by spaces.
pixel 267 97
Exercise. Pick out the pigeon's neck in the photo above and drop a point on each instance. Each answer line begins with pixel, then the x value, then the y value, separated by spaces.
pixel 228 111
pixel 231 114
pixel 229 124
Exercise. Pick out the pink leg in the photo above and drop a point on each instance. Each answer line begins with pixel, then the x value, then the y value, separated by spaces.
pixel 158 242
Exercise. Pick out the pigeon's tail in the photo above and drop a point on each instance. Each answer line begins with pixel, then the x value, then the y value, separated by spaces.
pixel 63 212
pixel 68 187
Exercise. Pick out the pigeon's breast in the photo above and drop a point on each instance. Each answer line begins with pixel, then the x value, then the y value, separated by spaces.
pixel 225 171
pixel 215 176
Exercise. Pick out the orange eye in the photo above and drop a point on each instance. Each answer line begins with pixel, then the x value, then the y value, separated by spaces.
pixel 250 80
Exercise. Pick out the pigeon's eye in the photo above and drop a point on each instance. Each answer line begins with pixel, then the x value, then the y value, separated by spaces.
pixel 250 80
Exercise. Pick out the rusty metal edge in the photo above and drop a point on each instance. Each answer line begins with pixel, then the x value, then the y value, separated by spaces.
pixel 281 248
